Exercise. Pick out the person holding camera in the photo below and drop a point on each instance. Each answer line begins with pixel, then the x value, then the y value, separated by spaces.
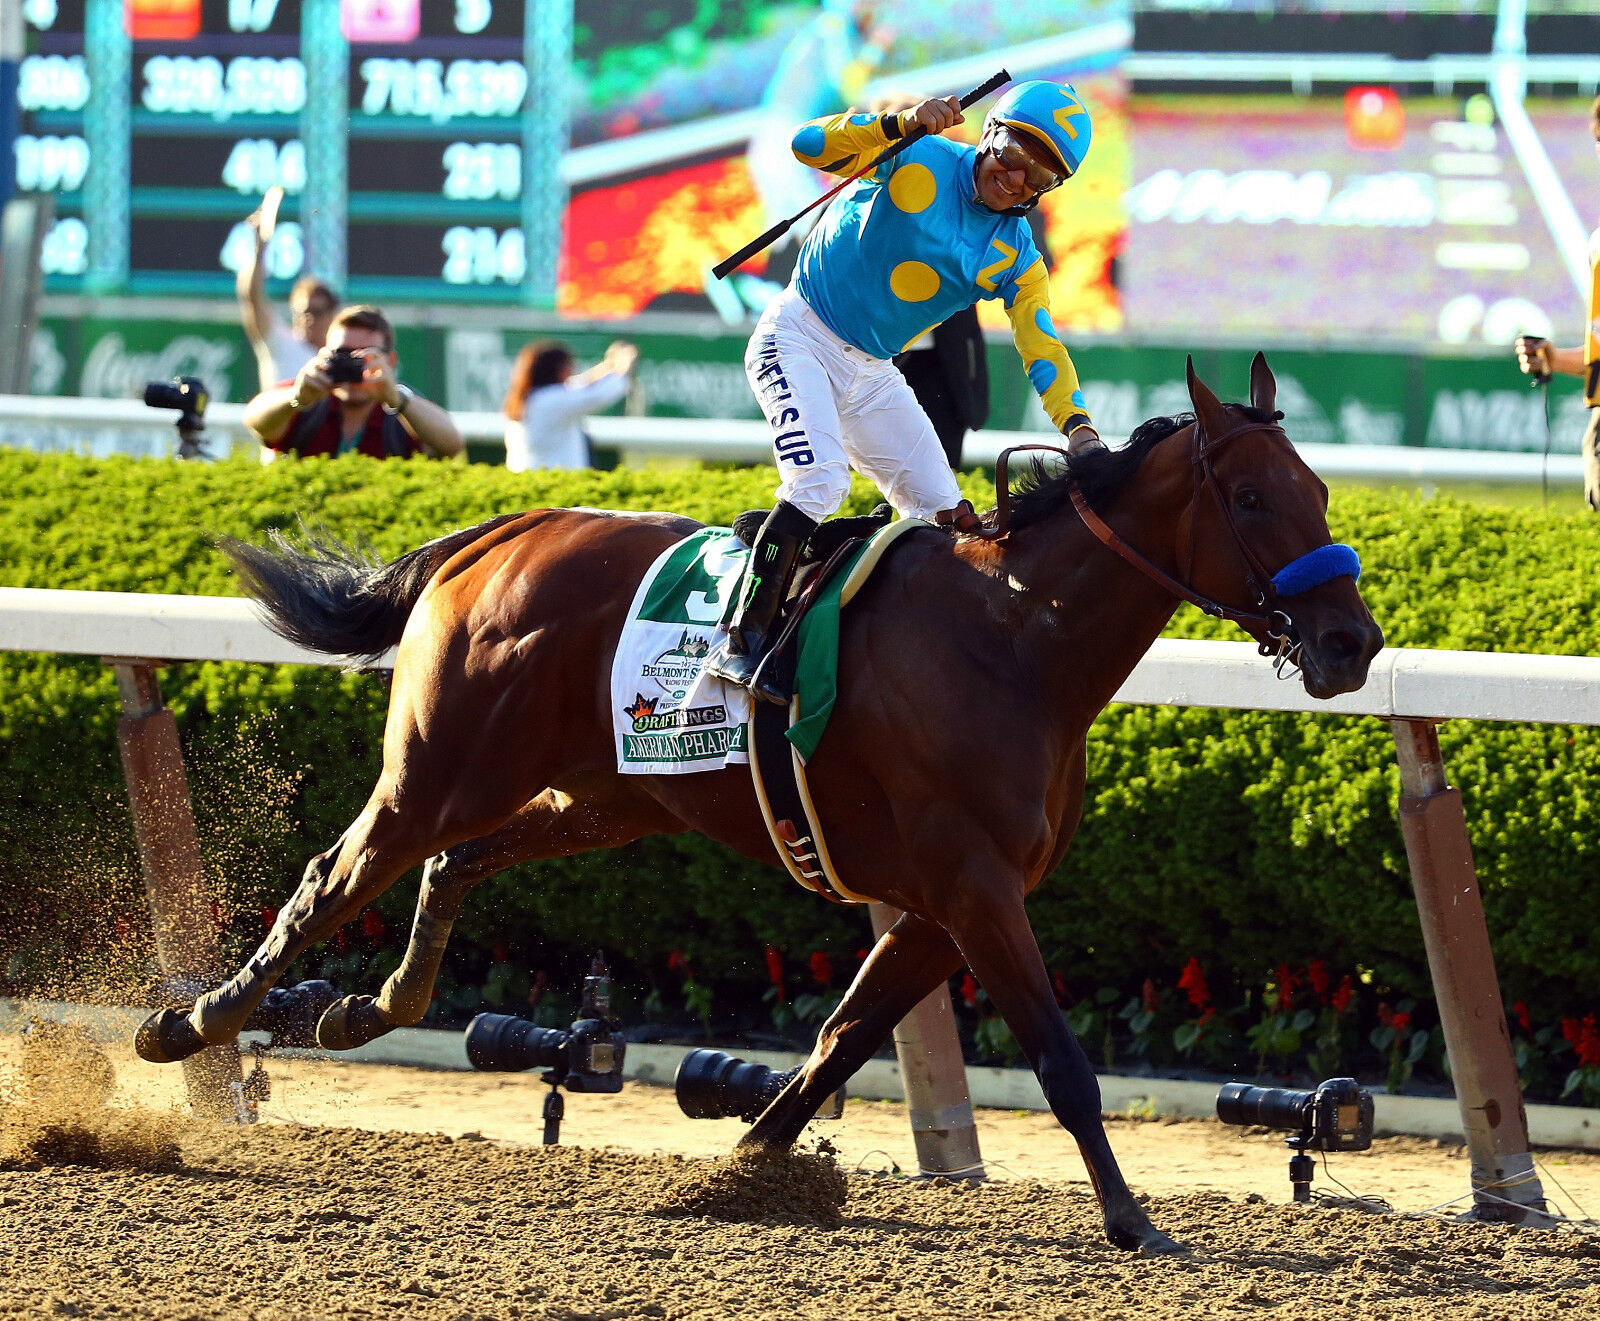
pixel 349 400
pixel 1540 358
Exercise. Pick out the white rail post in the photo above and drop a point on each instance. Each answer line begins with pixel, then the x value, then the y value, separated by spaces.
pixel 1461 963
pixel 935 1077
pixel 169 853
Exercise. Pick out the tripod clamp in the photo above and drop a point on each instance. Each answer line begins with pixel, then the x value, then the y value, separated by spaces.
pixel 1301 1166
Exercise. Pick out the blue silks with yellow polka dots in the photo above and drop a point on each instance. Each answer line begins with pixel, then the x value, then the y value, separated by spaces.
pixel 910 244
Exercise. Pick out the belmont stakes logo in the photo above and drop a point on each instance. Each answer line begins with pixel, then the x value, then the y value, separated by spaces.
pixel 675 670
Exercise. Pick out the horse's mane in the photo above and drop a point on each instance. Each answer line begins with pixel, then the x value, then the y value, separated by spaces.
pixel 1100 473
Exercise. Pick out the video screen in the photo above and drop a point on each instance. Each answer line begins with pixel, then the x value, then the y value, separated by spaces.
pixel 1327 217
pixel 681 136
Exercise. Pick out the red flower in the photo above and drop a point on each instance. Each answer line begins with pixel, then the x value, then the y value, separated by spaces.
pixel 269 918
pixel 1058 983
pixel 1192 982
pixel 678 961
pixel 1385 1014
pixel 821 968
pixel 1400 1022
pixel 1340 999
pixel 969 991
pixel 1317 976
pixel 1585 1039
pixel 775 971
pixel 341 940
pixel 1286 986
pixel 1521 1012
pixel 1150 997
pixel 1205 1018
pixel 861 955
pixel 501 953
pixel 372 925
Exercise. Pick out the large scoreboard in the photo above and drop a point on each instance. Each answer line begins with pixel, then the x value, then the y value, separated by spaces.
pixel 219 101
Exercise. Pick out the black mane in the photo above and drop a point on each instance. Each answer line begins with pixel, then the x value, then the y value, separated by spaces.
pixel 1041 488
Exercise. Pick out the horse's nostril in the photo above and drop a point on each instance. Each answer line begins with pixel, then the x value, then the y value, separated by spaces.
pixel 1338 646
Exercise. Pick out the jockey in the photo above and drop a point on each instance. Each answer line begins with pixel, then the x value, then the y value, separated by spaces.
pixel 931 231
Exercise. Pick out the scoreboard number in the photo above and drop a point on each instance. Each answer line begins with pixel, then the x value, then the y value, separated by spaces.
pixel 257 164
pixel 478 254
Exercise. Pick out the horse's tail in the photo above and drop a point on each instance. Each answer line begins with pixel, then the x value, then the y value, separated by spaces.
pixel 337 598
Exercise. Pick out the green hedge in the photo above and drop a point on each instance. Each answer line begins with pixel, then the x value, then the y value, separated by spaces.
pixel 1244 839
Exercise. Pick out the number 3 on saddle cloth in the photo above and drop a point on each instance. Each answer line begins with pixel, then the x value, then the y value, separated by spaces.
pixel 671 718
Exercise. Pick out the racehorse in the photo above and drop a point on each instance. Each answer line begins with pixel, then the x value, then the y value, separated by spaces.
pixel 952 774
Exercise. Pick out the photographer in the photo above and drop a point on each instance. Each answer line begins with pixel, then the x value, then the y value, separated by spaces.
pixel 348 399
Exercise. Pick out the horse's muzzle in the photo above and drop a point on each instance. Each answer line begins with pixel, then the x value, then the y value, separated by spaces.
pixel 1335 659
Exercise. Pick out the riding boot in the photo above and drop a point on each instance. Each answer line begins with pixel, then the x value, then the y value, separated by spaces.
pixel 761 591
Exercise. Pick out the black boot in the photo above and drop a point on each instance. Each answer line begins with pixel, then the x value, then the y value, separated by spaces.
pixel 761 591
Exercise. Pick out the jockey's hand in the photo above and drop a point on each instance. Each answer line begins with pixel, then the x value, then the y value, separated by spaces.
pixel 935 114
pixel 1533 356
pixel 1083 437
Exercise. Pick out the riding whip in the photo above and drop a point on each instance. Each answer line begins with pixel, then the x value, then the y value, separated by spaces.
pixel 727 264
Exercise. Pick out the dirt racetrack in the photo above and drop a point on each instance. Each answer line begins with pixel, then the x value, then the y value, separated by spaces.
pixel 300 1218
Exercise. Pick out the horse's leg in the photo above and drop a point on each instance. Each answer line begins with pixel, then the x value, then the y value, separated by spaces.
pixel 999 946
pixel 382 844
pixel 913 957
pixel 538 830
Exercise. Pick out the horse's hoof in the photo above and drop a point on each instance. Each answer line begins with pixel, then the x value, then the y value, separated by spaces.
pixel 351 1022
pixel 166 1037
pixel 1144 1238
pixel 1157 1244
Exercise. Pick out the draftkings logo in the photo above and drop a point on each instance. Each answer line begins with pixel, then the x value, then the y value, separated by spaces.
pixel 642 712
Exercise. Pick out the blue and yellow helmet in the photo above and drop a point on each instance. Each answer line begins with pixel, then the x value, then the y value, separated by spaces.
pixel 1049 112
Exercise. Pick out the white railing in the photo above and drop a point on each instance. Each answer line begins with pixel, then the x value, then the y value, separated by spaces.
pixel 100 427
pixel 1411 688
pixel 1404 683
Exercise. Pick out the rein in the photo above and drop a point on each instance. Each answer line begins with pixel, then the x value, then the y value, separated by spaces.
pixel 1283 641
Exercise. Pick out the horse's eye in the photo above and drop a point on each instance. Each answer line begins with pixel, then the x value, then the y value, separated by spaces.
pixel 1247 499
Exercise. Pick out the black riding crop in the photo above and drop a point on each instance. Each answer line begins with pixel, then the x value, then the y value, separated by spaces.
pixel 727 264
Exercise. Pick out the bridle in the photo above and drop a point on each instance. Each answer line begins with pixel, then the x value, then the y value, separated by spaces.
pixel 1282 640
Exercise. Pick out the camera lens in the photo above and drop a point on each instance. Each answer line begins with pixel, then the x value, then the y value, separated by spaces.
pixel 501 1043
pixel 345 368
pixel 1272 1107
pixel 711 1085
pixel 165 394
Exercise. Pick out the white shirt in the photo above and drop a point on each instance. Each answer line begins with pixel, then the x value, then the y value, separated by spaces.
pixel 550 434
pixel 289 353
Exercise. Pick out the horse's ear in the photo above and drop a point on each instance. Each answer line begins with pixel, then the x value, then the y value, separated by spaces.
pixel 1263 385
pixel 1207 407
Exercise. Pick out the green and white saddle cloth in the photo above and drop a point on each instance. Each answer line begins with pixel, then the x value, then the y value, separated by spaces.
pixel 670 716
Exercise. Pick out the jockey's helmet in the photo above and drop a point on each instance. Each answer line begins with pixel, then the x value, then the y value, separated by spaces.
pixel 1052 117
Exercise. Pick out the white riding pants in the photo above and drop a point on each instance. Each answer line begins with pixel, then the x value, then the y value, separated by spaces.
pixel 833 407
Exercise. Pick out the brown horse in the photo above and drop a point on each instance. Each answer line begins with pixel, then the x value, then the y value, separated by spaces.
pixel 952 776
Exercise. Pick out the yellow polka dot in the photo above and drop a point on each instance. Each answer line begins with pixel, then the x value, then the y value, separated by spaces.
pixel 913 282
pixel 913 188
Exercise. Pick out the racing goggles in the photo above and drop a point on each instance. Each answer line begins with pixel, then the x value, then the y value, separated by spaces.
pixel 1014 154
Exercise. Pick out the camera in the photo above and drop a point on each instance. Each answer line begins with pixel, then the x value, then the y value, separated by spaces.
pixel 188 395
pixel 1336 1116
pixel 712 1085
pixel 586 1057
pixel 345 367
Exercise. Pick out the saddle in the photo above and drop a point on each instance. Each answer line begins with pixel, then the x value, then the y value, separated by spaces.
pixel 781 739
pixel 825 550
